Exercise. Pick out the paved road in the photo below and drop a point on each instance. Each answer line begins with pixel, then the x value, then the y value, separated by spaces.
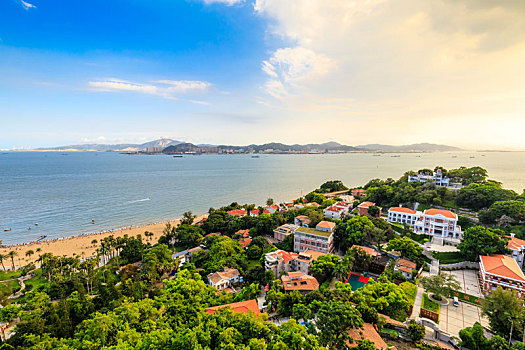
pixel 417 303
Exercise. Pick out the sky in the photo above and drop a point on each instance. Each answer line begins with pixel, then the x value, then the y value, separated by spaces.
pixel 255 71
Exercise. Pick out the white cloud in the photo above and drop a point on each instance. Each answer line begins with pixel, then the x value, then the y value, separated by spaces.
pixel 401 65
pixel 224 2
pixel 27 5
pixel 165 88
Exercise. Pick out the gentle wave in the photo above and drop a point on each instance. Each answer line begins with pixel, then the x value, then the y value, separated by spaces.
pixel 138 201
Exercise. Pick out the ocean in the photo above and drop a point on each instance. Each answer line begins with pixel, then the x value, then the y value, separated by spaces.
pixel 64 191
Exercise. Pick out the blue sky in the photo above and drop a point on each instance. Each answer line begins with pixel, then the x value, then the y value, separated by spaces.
pixel 237 72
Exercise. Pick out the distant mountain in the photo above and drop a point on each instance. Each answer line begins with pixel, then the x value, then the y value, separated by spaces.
pixel 163 143
pixel 418 147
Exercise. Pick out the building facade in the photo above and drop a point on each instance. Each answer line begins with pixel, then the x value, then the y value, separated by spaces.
pixel 438 179
pixel 434 222
pixel 319 239
pixel 362 209
pixel 283 231
pixel 501 271
pixel 517 247
pixel 337 211
pixel 225 279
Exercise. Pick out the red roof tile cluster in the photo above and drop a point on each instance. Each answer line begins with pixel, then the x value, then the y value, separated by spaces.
pixel 406 263
pixel 366 204
pixel 402 210
pixel 245 242
pixel 241 307
pixel 326 224
pixel 299 281
pixel 240 212
pixel 515 243
pixel 243 233
pixel 367 250
pixel 443 212
pixel 502 265
pixel 368 332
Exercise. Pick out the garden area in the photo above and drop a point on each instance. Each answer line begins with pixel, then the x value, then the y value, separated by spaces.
pixel 430 304
pixel 449 257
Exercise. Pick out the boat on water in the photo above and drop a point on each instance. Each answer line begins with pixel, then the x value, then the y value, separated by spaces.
pixel 40 238
pixel 255 157
pixel 396 156
pixel 454 156
pixel 29 228
pixel 178 156
pixel 7 229
pixel 92 221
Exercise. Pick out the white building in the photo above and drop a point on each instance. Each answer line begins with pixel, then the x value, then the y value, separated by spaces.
pixel 435 222
pixel 224 280
pixel 338 210
pixel 438 179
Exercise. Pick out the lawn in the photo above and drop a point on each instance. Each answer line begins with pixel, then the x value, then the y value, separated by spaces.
pixel 448 257
pixel 429 304
pixel 35 282
pixel 410 290
pixel 253 263
pixel 7 275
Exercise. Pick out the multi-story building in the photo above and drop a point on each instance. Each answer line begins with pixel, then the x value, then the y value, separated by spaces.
pixel 337 211
pixel 517 247
pixel 358 192
pixel 283 231
pixel 318 239
pixel 406 267
pixel 501 271
pixel 280 261
pixel 438 179
pixel 436 222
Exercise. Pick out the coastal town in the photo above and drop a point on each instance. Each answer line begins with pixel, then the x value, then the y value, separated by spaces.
pixel 422 262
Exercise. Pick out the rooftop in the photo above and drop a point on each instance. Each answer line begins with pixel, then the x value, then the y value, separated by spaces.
pixel 502 265
pixel 369 333
pixel 445 213
pixel 366 204
pixel 226 274
pixel 241 307
pixel 407 263
pixel 299 281
pixel 326 224
pixel 367 250
pixel 402 210
pixel 515 243
pixel 312 231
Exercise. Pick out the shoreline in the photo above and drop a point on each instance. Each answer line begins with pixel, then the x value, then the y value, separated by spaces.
pixel 81 245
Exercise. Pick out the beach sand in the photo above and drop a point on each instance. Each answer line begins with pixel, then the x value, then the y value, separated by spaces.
pixel 81 245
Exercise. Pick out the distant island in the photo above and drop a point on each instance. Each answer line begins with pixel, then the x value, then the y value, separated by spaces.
pixel 169 146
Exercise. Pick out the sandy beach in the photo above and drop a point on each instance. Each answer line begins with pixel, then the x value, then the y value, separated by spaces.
pixel 81 245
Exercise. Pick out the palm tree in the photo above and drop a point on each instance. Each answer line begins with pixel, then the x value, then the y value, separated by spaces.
pixel 29 253
pixel 12 255
pixel 2 257
pixel 94 242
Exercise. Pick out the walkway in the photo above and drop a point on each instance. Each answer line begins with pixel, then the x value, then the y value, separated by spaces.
pixel 22 286
pixel 417 303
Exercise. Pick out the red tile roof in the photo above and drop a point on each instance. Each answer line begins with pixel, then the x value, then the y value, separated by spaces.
pixel 367 250
pixel 241 307
pixel 239 212
pixel 445 213
pixel 299 281
pixel 407 263
pixel 502 265
pixel 369 333
pixel 245 242
pixel 402 210
pixel 515 243
pixel 366 204
pixel 244 233
pixel 326 224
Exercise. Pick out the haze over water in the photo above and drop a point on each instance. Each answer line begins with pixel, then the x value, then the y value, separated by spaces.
pixel 63 192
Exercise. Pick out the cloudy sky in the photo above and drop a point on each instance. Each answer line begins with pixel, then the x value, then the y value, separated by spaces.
pixel 245 71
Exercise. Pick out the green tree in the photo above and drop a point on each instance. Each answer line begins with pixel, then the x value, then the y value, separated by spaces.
pixel 474 338
pixel 332 186
pixel 416 331
pixel 188 236
pixel 365 344
pixel 187 218
pixel 355 231
pixel 373 211
pixel 407 247
pixel 333 321
pixel 479 240
pixel 442 284
pixel 324 266
pixel 504 311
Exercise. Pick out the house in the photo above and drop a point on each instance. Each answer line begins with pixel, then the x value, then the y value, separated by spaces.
pixel 312 204
pixel 314 239
pixel 237 212
pixel 368 332
pixel 271 209
pixel 337 211
pixel 362 209
pixel 280 261
pixel 517 247
pixel 358 192
pixel 336 194
pixel 302 220
pixel 245 242
pixel 406 267
pixel 438 179
pixel 304 260
pixel 435 222
pixel 300 282
pixel 501 271
pixel 283 231
pixel 224 279
pixel 243 233
pixel 327 226
pixel 244 307
pixel 185 255
pixel 379 264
